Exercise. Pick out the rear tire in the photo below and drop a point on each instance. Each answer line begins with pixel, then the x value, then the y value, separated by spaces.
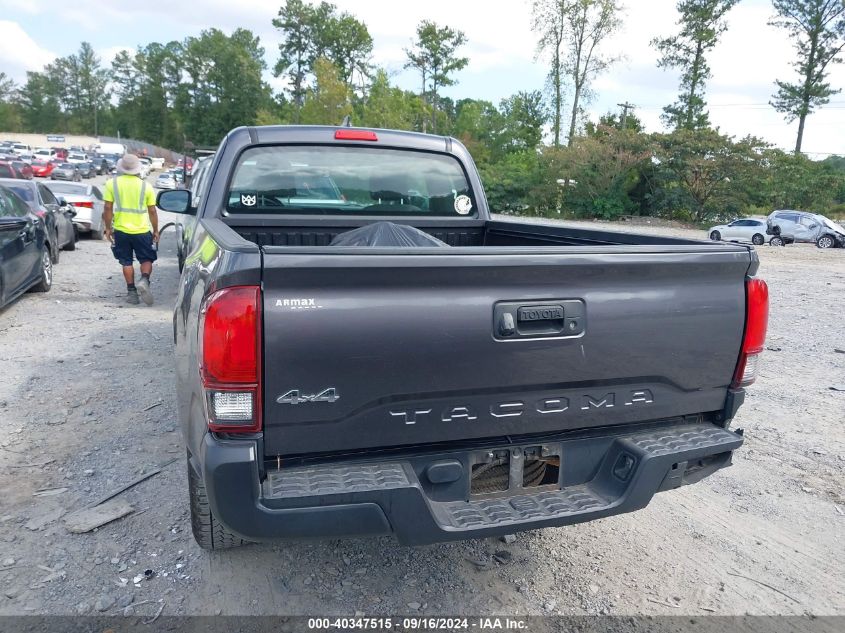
pixel 71 246
pixel 208 532
pixel 777 240
pixel 46 281
pixel 54 251
pixel 757 239
pixel 715 236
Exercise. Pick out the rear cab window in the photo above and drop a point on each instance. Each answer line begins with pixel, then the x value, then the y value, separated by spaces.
pixel 349 180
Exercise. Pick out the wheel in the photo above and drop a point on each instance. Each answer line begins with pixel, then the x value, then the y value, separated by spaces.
pixel 776 241
pixel 757 239
pixel 71 246
pixel 715 236
pixel 825 241
pixel 46 281
pixel 54 253
pixel 208 532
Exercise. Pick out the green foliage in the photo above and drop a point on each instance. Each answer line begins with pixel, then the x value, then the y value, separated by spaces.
pixel 311 32
pixel 434 56
pixel 818 29
pixel 512 184
pixel 703 175
pixel 328 102
pixel 701 22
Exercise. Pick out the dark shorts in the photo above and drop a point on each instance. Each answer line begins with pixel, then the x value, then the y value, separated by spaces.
pixel 141 244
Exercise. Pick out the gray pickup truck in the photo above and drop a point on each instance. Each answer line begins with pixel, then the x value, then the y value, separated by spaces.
pixel 479 378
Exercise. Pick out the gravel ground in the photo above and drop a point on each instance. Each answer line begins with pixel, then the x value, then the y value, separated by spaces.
pixel 86 405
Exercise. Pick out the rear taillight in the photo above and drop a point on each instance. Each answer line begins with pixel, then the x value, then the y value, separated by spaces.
pixel 756 321
pixel 230 359
pixel 87 205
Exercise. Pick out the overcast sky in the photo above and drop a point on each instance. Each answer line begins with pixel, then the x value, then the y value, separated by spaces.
pixel 749 57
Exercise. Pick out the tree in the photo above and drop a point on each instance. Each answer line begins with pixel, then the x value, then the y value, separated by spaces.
pixel 703 175
pixel 387 106
pixel 590 23
pixel 434 56
pixel 818 29
pixel 573 31
pixel 93 83
pixel 599 172
pixel 40 103
pixel 313 31
pixel 10 119
pixel 328 102
pixel 347 43
pixel 548 21
pixel 295 21
pixel 701 22
pixel 611 120
pixel 523 117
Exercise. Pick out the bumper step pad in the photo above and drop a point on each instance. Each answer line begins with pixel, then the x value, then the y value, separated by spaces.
pixel 543 505
pixel 335 480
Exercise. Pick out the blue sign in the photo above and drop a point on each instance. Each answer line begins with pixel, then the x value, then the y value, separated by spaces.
pixel 52 138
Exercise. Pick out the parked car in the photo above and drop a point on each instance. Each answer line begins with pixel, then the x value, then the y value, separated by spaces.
pixel 43 168
pixel 24 168
pixel 66 171
pixel 156 163
pixel 87 201
pixel 25 261
pixel 61 153
pixel 165 181
pixel 101 164
pixel 45 154
pixel 563 388
pixel 21 148
pixel 26 157
pixel 8 170
pixel 57 215
pixel 787 226
pixel 74 158
pixel 87 169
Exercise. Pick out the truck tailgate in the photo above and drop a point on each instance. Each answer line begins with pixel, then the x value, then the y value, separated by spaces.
pixel 388 349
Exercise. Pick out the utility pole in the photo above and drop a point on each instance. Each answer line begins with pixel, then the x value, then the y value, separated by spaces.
pixel 625 106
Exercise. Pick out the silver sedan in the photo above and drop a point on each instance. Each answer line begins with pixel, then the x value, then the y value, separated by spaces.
pixel 745 230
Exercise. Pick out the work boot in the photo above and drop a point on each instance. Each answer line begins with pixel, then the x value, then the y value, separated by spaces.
pixel 132 297
pixel 144 291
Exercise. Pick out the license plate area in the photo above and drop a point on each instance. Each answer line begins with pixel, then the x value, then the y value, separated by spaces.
pixel 510 471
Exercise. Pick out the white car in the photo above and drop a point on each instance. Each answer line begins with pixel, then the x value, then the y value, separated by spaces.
pixel 74 158
pixel 156 163
pixel 45 154
pixel 745 230
pixel 21 148
pixel 165 181
pixel 87 201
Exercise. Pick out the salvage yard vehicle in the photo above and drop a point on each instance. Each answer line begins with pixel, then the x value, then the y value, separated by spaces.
pixel 87 202
pixel 446 376
pixel 787 227
pixel 56 213
pixel 743 230
pixel 24 249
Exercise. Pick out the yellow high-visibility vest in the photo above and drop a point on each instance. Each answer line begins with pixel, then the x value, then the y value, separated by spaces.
pixel 130 198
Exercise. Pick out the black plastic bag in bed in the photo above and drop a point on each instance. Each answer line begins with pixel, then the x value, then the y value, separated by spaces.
pixel 386 234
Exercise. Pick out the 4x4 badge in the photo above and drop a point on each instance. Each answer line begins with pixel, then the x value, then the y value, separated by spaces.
pixel 295 397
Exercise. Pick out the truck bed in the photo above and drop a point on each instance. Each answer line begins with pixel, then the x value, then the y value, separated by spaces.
pixel 307 232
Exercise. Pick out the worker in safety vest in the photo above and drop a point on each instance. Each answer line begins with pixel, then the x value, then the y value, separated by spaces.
pixel 131 225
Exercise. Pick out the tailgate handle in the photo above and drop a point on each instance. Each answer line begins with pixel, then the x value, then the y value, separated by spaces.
pixel 539 319
pixel 544 318
pixel 534 314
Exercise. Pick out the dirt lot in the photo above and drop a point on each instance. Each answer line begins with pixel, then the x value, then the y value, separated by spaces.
pixel 86 405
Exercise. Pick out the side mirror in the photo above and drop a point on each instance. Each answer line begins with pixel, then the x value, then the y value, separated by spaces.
pixel 175 201
pixel 62 202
